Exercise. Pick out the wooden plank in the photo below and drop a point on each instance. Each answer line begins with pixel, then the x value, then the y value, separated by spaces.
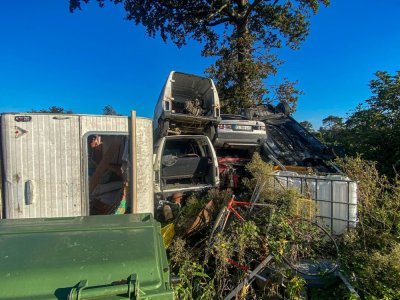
pixel 133 168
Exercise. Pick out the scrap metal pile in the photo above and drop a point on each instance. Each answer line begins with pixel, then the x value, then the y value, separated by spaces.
pixel 275 242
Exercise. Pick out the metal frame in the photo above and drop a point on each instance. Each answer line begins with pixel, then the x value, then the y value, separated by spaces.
pixel 304 182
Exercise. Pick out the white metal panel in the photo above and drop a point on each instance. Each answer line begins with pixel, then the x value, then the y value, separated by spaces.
pixel 103 124
pixel 144 165
pixel 46 157
pixel 44 153
pixel 144 153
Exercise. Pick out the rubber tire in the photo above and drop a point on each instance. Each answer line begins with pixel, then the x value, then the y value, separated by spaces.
pixel 330 239
pixel 283 107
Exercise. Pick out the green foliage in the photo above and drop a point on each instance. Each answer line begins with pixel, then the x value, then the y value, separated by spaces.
pixel 373 129
pixel 371 254
pixel 307 125
pixel 108 110
pixel 295 286
pixel 53 110
pixel 194 282
pixel 332 130
pixel 240 33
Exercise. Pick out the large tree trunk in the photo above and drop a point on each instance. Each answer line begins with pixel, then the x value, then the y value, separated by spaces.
pixel 242 32
pixel 243 47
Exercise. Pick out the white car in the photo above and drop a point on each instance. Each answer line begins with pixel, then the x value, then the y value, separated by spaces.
pixel 239 131
pixel 184 163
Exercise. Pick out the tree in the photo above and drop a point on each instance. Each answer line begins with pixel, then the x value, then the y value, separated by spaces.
pixel 108 110
pixel 53 110
pixel 332 123
pixel 307 125
pixel 241 33
pixel 373 129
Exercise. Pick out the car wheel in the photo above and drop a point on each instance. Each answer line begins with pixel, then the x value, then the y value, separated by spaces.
pixel 283 107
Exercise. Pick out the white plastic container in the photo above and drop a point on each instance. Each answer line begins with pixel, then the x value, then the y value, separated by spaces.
pixel 335 196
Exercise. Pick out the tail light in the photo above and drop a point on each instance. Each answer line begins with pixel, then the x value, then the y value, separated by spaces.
pixel 224 126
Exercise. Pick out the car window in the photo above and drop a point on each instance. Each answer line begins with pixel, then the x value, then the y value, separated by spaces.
pixel 182 147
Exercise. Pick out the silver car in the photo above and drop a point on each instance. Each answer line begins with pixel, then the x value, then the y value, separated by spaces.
pixel 239 131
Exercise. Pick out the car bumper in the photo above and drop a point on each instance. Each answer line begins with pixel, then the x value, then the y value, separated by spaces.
pixel 229 139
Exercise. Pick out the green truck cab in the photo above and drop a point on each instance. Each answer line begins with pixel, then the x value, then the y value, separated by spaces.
pixel 92 257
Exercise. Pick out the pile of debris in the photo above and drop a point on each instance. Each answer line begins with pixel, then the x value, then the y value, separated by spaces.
pixel 202 149
pixel 269 245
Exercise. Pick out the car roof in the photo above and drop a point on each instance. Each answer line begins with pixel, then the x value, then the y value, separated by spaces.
pixel 233 117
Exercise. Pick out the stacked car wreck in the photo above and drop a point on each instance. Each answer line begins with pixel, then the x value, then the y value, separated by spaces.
pixel 187 120
pixel 188 108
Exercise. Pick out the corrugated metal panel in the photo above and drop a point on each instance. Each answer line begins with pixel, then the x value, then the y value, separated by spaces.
pixel 144 165
pixel 49 153
pixel 103 124
pixel 44 154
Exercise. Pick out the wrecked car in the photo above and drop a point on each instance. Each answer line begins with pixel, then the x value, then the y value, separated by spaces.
pixel 188 104
pixel 232 165
pixel 239 131
pixel 184 163
pixel 288 143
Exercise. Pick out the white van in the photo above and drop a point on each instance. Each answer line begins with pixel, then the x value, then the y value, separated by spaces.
pixel 184 163
pixel 188 104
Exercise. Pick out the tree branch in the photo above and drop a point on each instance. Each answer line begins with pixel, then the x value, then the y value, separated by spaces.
pixel 217 22
pixel 218 11
pixel 251 7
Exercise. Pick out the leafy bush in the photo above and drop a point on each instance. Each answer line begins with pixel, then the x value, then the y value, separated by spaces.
pixel 371 254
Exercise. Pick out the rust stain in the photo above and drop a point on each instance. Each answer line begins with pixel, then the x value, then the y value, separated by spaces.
pixel 17 178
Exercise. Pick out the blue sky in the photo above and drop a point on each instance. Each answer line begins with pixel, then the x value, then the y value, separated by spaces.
pixel 91 58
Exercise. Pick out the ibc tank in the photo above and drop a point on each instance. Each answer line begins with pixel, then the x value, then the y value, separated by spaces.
pixel 335 197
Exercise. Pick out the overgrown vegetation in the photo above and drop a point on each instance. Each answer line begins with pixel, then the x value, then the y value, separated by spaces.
pixel 371 254
pixel 271 229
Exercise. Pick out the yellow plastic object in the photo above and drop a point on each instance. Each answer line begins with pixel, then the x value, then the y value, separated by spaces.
pixel 293 169
pixel 168 233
